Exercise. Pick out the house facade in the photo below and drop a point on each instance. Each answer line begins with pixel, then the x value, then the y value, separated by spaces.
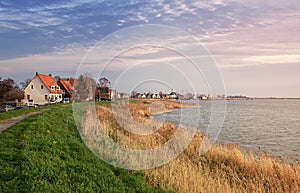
pixel 173 95
pixel 42 89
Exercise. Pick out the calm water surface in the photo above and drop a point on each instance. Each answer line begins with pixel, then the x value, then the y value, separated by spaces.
pixel 272 125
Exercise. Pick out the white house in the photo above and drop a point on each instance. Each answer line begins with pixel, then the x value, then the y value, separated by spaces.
pixel 114 95
pixel 42 89
pixel 173 95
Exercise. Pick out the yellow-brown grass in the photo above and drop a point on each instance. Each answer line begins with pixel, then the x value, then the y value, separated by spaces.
pixel 224 168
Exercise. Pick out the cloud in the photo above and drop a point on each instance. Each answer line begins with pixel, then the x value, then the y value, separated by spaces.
pixel 241 34
pixel 274 59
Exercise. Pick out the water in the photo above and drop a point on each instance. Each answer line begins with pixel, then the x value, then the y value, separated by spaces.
pixel 272 125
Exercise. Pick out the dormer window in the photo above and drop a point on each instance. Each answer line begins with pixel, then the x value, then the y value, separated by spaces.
pixel 58 88
pixel 52 87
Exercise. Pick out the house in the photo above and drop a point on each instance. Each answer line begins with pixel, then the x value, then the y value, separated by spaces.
pixel 173 95
pixel 137 95
pixel 202 97
pixel 155 96
pixel 104 93
pixel 67 87
pixel 114 95
pixel 124 96
pixel 162 95
pixel 42 89
pixel 143 96
pixel 149 95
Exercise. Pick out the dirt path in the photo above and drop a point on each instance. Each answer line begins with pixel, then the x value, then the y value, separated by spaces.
pixel 10 122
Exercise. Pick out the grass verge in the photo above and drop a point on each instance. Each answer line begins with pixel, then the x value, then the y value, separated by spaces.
pixel 44 153
pixel 10 114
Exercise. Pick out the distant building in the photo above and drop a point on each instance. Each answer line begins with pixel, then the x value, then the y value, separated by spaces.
pixel 114 95
pixel 202 97
pixel 107 94
pixel 42 89
pixel 124 96
pixel 162 95
pixel 173 95
pixel 240 97
pixel 155 96
pixel 104 93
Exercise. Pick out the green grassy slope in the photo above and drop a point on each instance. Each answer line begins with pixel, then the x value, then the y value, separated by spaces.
pixel 44 153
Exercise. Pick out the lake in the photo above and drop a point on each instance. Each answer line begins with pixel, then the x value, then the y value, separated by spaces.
pixel 273 125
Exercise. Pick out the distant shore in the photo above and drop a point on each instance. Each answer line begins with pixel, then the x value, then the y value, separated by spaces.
pixel 275 98
pixel 254 98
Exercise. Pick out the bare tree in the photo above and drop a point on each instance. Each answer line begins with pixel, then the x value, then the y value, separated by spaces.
pixel 25 83
pixel 104 82
pixel 85 87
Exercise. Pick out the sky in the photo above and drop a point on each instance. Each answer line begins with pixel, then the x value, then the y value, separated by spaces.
pixel 252 47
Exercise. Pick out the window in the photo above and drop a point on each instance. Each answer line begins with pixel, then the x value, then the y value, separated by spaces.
pixel 31 86
pixel 28 97
pixel 58 88
pixel 42 86
pixel 46 97
pixel 52 87
pixel 60 96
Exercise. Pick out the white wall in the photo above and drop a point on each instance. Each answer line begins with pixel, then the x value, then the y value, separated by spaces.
pixel 37 94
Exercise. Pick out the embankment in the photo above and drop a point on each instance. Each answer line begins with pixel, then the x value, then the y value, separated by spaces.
pixel 224 168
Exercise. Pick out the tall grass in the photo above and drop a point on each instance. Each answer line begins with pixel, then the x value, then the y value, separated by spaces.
pixel 224 168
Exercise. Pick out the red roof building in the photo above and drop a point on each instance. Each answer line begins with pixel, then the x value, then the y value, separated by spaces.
pixel 50 83
pixel 43 89
pixel 67 86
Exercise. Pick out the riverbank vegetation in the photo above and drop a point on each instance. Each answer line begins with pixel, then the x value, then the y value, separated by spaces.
pixel 224 168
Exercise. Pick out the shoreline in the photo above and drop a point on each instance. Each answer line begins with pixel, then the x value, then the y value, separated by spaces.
pixel 224 168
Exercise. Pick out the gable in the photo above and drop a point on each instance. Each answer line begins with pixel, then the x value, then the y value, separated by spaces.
pixel 36 83
pixel 50 83
pixel 47 81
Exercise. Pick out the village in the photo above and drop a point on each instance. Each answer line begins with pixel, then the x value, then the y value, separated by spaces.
pixel 44 89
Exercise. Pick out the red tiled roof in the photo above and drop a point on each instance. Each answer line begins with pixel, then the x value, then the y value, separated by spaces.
pixel 48 82
pixel 67 85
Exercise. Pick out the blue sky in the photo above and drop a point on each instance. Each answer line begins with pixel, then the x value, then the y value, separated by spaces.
pixel 255 44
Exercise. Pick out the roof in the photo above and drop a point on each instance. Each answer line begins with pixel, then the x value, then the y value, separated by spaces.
pixel 49 81
pixel 68 84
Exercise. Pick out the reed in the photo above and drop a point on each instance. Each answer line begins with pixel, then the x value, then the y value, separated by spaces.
pixel 224 168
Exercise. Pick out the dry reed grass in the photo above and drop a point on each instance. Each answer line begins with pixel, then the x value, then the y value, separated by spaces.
pixel 224 168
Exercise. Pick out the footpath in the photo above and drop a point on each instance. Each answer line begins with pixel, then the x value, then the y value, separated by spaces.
pixel 10 122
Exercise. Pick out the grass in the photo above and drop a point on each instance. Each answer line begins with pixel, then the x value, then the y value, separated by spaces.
pixel 10 114
pixel 44 153
pixel 224 168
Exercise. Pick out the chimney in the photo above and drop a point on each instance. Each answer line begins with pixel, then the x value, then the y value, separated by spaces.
pixel 36 73
pixel 50 75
